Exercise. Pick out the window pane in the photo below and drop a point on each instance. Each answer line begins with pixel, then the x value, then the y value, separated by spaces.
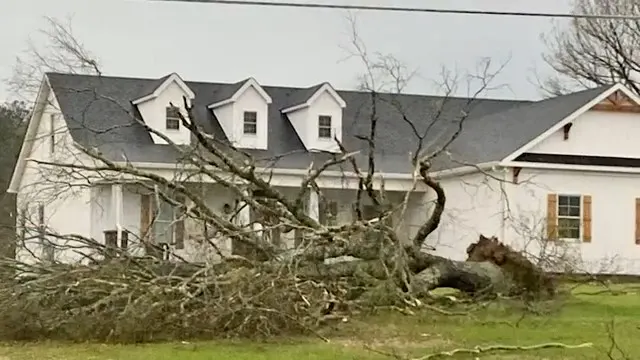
pixel 574 211
pixel 324 121
pixel 165 212
pixel 568 223
pixel 563 210
pixel 173 112
pixel 324 132
pixel 250 117
pixel 173 124
pixel 563 200
pixel 574 201
pixel 250 128
pixel 574 233
pixel 162 232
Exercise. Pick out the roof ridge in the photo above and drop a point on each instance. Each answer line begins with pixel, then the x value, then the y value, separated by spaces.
pixel 288 87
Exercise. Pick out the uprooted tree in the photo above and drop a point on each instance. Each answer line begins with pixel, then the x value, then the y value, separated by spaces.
pixel 268 288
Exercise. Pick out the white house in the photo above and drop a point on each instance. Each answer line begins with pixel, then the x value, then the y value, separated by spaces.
pixel 557 175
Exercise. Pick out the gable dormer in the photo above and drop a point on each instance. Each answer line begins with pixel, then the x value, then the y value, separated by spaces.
pixel 157 112
pixel 242 109
pixel 316 115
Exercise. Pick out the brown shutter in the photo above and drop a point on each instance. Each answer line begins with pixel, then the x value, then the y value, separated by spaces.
pixel 586 218
pixel 145 217
pixel 552 216
pixel 638 221
pixel 179 229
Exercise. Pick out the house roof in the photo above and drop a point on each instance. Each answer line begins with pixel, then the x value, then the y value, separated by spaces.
pixel 98 112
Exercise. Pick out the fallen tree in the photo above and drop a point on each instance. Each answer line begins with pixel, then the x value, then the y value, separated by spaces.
pixel 266 289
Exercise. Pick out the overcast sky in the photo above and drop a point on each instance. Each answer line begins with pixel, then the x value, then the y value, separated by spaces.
pixel 283 46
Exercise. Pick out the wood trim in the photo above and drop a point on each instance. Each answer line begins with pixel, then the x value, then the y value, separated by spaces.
pixel 552 216
pixel 637 221
pixel 586 218
pixel 619 102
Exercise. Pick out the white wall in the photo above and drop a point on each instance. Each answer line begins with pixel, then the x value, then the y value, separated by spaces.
pixel 474 206
pixel 65 199
pixel 305 122
pixel 154 114
pixel 325 104
pixel 597 133
pixel 612 248
pixel 478 204
pixel 231 118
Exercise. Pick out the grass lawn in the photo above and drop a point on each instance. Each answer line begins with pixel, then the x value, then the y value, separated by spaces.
pixel 582 318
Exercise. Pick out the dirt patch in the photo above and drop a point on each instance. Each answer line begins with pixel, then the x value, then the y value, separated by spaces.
pixel 424 341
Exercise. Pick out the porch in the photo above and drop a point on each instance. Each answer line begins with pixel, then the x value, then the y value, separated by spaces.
pixel 122 215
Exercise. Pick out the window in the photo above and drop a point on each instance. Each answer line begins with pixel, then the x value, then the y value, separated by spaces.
pixel 173 118
pixel 52 133
pixel 569 218
pixel 324 127
pixel 328 212
pixel 250 122
pixel 162 225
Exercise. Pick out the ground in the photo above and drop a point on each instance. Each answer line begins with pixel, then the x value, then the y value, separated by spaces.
pixel 584 317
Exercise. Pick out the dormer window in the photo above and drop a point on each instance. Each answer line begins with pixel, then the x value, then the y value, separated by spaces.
pixel 324 127
pixel 172 118
pixel 250 123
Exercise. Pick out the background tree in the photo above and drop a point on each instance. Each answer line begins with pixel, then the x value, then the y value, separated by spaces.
pixel 13 122
pixel 588 52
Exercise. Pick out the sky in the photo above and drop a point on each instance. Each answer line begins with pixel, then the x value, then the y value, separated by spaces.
pixel 289 46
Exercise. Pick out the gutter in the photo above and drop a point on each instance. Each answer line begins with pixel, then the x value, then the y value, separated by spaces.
pixel 441 174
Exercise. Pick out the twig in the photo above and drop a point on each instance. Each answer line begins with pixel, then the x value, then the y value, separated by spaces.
pixel 495 348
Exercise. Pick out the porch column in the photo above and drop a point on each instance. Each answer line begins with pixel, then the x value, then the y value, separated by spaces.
pixel 244 215
pixel 313 206
pixel 116 207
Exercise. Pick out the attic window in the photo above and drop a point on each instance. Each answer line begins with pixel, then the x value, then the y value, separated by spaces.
pixel 172 118
pixel 324 127
pixel 250 122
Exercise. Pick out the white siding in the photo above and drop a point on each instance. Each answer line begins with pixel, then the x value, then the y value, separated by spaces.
pixel 154 114
pixel 612 248
pixel 478 204
pixel 65 200
pixel 474 206
pixel 305 122
pixel 231 118
pixel 597 133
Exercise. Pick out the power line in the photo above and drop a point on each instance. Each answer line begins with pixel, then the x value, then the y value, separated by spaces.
pixel 410 9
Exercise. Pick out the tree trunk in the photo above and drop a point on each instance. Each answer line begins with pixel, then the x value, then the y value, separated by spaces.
pixel 470 277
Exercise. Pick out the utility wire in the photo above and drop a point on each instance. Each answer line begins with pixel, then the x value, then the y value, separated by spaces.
pixel 410 9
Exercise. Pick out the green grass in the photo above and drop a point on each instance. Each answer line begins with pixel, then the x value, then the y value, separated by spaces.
pixel 583 317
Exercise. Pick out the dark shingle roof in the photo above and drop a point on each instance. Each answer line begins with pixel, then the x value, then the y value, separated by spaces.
pixel 301 96
pixel 226 92
pixel 98 112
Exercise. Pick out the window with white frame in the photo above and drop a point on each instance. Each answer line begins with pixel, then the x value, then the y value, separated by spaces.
pixel 163 223
pixel 172 121
pixel 250 122
pixel 569 218
pixel 324 127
